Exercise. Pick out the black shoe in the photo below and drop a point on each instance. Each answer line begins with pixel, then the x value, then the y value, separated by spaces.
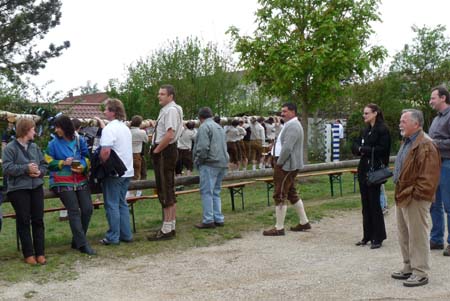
pixel 106 242
pixel 219 224
pixel 362 242
pixel 376 245
pixel 401 275
pixel 436 246
pixel 87 250
pixel 127 241
pixel 415 280
pixel 73 246
pixel 205 226
pixel 161 236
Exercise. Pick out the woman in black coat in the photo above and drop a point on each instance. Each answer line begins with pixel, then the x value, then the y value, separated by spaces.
pixel 375 136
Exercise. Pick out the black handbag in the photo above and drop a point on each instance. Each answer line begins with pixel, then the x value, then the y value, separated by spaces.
pixel 378 176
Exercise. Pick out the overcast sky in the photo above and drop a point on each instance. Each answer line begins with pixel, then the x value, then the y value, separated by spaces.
pixel 108 35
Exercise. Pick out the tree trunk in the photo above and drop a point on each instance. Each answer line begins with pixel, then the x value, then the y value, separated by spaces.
pixel 304 120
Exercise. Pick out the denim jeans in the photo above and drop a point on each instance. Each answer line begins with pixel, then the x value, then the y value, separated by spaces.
pixel 383 198
pixel 442 202
pixel 117 212
pixel 210 187
pixel 79 207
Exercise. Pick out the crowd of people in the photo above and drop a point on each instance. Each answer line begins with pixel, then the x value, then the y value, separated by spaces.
pixel 421 168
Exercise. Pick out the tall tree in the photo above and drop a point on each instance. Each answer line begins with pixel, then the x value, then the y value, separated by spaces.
pixel 23 23
pixel 202 76
pixel 303 50
pixel 421 65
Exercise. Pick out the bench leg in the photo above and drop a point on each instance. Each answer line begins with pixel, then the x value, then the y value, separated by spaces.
pixel 331 185
pixel 269 188
pixel 242 197
pixel 232 198
pixel 340 184
pixel 132 217
pixel 17 238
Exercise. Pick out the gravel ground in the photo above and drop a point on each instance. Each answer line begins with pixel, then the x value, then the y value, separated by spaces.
pixel 322 264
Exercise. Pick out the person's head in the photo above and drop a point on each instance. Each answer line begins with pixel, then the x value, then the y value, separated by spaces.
pixel 288 111
pixel 136 121
pixel 114 109
pixel 25 128
pixel 270 120
pixel 204 113
pixel 190 125
pixel 372 114
pixel 252 119
pixel 76 124
pixel 260 120
pixel 411 121
pixel 64 127
pixel 440 98
pixel 217 119
pixel 338 121
pixel 166 94
pixel 235 122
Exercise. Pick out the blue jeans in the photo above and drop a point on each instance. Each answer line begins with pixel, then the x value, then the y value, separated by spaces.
pixel 383 198
pixel 442 202
pixel 210 187
pixel 117 212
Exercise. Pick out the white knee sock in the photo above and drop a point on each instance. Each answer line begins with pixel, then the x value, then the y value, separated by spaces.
pixel 280 213
pixel 166 227
pixel 301 212
pixel 173 224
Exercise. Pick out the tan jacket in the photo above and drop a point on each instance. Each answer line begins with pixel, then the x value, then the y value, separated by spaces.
pixel 420 172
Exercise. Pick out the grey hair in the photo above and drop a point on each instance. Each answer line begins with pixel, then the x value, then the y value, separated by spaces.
pixel 416 115
pixel 205 113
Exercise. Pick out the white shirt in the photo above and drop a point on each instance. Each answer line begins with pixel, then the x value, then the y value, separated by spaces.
pixel 186 139
pixel 341 131
pixel 138 137
pixel 276 148
pixel 170 117
pixel 232 134
pixel 270 131
pixel 242 132
pixel 117 136
pixel 257 132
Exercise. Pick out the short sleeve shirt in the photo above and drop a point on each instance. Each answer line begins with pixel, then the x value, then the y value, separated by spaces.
pixel 117 136
pixel 170 117
pixel 138 137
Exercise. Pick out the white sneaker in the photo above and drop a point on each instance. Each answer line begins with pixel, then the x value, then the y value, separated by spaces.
pixel 138 192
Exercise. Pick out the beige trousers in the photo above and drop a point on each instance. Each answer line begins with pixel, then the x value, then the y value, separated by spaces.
pixel 413 223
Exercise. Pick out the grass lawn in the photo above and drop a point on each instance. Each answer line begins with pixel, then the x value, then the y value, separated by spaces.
pixel 63 262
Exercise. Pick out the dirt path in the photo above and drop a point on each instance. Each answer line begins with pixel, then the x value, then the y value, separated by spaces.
pixel 322 264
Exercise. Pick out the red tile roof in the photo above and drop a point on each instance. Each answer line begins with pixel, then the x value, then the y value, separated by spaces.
pixel 83 106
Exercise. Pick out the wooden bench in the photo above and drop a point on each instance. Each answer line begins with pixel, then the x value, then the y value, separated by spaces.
pixel 334 176
pixel 234 188
pixel 237 188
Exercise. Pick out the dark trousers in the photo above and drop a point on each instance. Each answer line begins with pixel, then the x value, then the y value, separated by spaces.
pixel 79 208
pixel 373 219
pixel 29 207
pixel 184 160
pixel 164 164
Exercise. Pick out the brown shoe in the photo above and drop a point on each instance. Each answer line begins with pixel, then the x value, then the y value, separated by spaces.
pixel 161 236
pixel 41 259
pixel 30 260
pixel 273 232
pixel 436 246
pixel 301 227
pixel 205 226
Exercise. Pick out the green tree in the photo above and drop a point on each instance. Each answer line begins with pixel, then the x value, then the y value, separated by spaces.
pixel 304 50
pixel 202 76
pixel 23 23
pixel 421 65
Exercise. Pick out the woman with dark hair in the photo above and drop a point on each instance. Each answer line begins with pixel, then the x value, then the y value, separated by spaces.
pixel 67 157
pixel 24 166
pixel 374 138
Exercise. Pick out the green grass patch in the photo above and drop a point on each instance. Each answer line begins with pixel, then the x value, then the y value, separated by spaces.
pixel 63 261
